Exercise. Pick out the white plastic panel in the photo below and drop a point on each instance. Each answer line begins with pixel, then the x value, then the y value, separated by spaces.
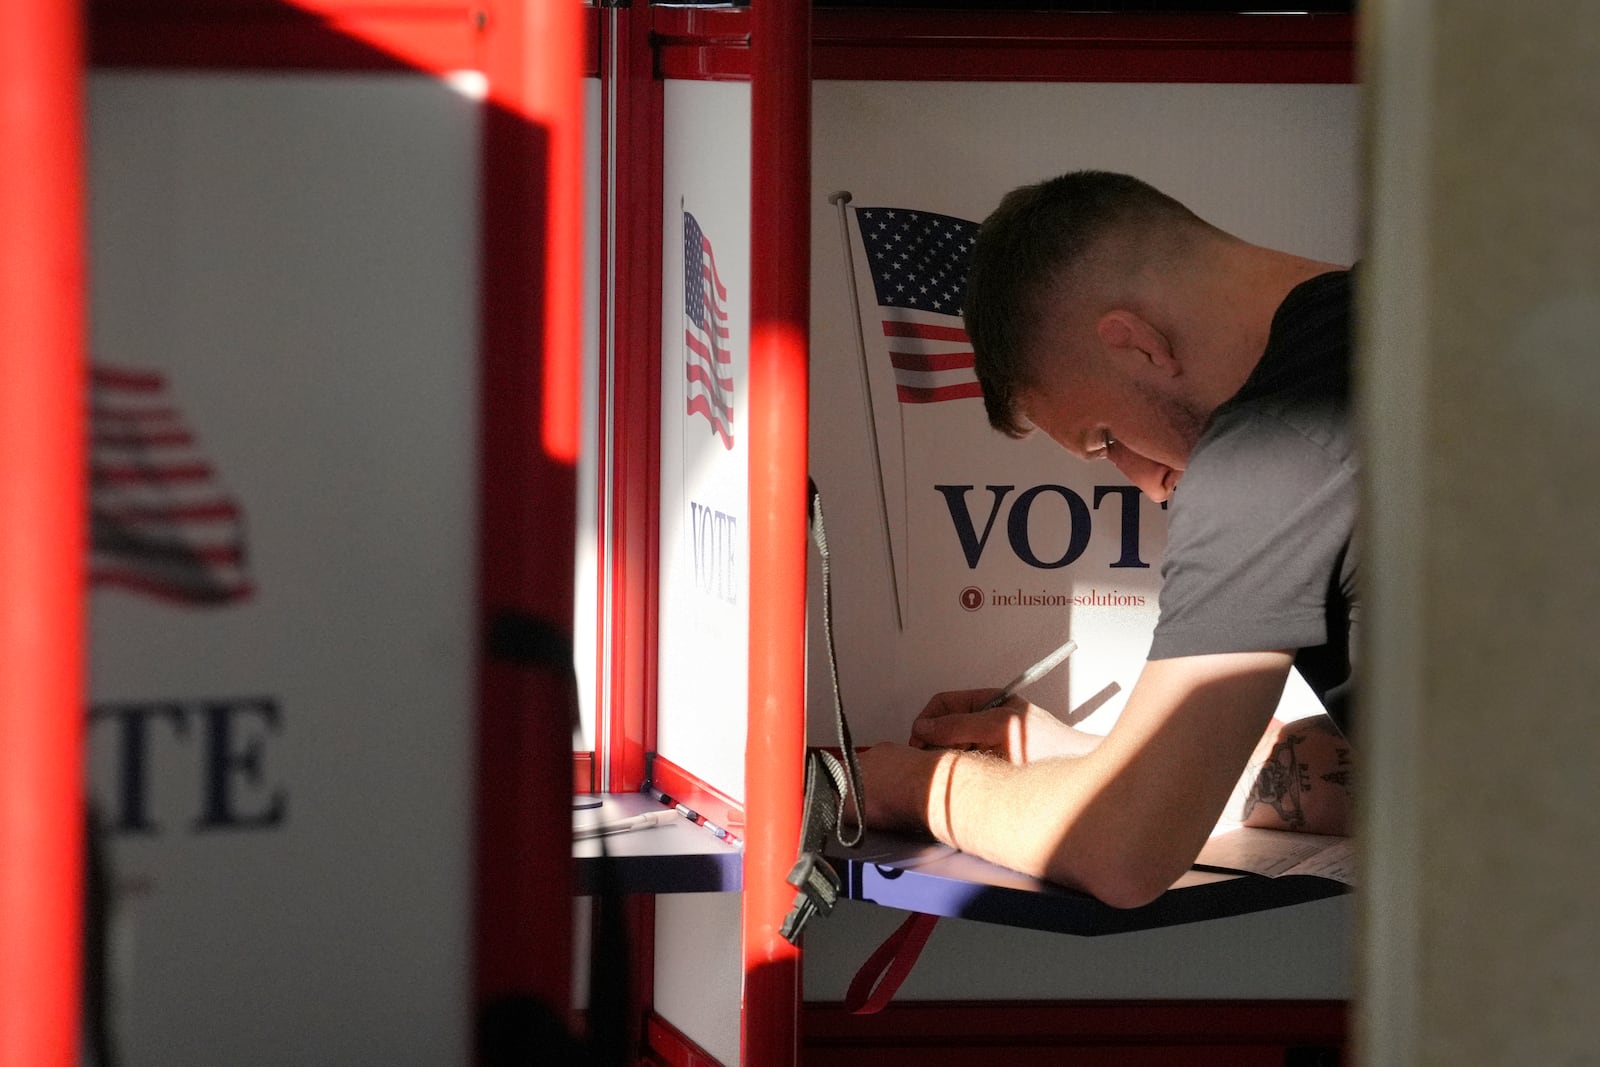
pixel 698 969
pixel 286 266
pixel 705 580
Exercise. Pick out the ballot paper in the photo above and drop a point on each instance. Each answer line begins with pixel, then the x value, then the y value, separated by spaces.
pixel 1275 853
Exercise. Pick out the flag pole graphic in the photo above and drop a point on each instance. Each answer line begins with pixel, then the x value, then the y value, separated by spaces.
pixel 683 349
pixel 840 199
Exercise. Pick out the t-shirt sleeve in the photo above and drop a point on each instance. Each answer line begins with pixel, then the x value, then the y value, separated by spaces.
pixel 1257 529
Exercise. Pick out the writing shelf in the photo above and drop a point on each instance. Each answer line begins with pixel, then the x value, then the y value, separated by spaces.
pixel 676 856
pixel 916 874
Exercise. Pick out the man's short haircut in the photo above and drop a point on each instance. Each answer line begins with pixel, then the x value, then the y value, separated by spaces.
pixel 1023 248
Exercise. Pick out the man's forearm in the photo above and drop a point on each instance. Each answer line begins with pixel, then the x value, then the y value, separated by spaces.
pixel 974 801
pixel 1121 822
pixel 1045 819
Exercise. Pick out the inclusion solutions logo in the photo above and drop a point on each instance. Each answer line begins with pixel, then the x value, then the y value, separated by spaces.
pixel 975 599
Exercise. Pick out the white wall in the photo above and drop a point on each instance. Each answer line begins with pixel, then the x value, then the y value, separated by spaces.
pixel 698 972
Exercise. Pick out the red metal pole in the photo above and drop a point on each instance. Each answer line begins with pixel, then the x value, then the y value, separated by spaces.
pixel 780 92
pixel 532 290
pixel 42 522
pixel 630 519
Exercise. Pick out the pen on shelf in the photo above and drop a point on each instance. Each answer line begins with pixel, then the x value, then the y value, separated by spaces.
pixel 1031 675
pixel 700 820
pixel 621 826
pixel 689 813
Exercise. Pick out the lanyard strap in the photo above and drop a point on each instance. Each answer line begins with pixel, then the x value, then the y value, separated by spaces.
pixel 831 782
pixel 848 777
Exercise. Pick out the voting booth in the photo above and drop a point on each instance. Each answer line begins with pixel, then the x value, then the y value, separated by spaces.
pixel 957 556
pixel 453 406
pixel 329 410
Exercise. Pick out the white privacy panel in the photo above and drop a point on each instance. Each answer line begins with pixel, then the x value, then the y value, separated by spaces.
pixel 284 331
pixel 705 345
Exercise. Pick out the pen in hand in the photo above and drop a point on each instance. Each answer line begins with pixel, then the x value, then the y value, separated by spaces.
pixel 1031 675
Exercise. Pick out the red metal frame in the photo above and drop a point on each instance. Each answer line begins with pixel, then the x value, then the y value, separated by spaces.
pixel 438 36
pixel 702 45
pixel 859 45
pixel 630 454
pixel 667 1046
pixel 531 298
pixel 628 448
pixel 1034 46
pixel 779 406
pixel 43 514
pixel 430 35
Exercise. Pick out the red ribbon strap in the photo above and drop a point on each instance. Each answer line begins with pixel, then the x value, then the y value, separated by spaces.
pixel 876 982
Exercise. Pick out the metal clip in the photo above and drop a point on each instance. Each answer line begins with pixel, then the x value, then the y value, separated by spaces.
pixel 819 887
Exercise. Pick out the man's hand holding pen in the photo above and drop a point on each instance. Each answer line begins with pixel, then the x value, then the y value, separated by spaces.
pixel 904 780
pixel 907 780
pixel 908 786
pixel 1016 731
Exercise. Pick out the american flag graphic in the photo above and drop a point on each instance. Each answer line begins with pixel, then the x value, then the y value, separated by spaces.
pixel 707 361
pixel 918 261
pixel 161 523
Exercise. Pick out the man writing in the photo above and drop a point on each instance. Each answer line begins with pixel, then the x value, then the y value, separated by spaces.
pixel 1111 318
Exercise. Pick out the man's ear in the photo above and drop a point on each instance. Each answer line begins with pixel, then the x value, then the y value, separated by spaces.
pixel 1129 333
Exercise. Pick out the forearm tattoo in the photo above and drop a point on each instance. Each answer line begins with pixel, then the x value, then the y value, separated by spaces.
pixel 1343 775
pixel 1280 780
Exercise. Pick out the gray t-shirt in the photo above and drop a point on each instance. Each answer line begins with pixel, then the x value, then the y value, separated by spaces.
pixel 1261 549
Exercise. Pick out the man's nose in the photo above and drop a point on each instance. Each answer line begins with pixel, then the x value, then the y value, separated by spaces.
pixel 1147 474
